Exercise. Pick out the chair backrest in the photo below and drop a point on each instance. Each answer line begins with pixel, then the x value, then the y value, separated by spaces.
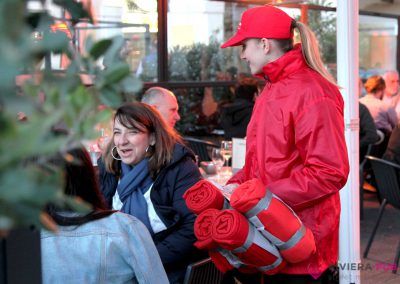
pixel 364 163
pixel 364 153
pixel 200 147
pixel 202 272
pixel 387 179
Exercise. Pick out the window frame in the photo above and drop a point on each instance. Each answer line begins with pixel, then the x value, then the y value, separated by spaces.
pixel 163 76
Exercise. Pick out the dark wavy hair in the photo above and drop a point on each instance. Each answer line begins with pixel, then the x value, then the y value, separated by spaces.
pixel 81 182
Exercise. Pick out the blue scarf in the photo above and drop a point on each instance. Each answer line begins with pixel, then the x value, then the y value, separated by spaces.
pixel 134 183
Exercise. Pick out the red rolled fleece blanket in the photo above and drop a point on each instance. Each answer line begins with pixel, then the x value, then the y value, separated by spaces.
pixel 203 195
pixel 275 220
pixel 223 259
pixel 233 232
pixel 203 229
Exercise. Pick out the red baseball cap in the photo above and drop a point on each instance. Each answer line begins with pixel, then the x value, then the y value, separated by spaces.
pixel 262 22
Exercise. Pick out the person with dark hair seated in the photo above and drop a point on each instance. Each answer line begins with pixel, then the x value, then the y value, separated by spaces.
pixel 101 246
pixel 235 116
pixel 144 171
pixel 368 133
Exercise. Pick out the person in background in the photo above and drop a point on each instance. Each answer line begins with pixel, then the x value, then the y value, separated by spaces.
pixel 392 152
pixel 236 115
pixel 295 139
pixel 391 95
pixel 101 246
pixel 383 114
pixel 368 133
pixel 165 102
pixel 144 172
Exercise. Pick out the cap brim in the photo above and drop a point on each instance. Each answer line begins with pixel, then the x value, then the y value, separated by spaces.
pixel 233 41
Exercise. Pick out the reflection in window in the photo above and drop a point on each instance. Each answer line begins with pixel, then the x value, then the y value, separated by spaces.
pixel 136 21
pixel 323 24
pixel 201 107
pixel 196 29
pixel 378 45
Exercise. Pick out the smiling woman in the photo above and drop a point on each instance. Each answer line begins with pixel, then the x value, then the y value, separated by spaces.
pixel 144 172
pixel 131 143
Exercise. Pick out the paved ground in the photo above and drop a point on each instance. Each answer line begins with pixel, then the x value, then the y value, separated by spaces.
pixel 377 267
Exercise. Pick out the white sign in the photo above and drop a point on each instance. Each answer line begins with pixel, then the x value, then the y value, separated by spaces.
pixel 238 153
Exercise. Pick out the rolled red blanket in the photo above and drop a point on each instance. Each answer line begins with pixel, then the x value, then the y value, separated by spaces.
pixel 203 195
pixel 203 229
pixel 232 231
pixel 275 220
pixel 224 260
pixel 220 262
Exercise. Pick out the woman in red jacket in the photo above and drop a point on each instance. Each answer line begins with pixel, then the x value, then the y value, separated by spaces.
pixel 295 138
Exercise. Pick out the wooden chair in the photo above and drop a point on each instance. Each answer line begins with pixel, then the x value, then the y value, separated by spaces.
pixel 386 175
pixel 203 272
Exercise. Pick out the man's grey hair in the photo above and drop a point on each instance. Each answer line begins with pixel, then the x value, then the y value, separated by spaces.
pixel 153 94
pixel 390 72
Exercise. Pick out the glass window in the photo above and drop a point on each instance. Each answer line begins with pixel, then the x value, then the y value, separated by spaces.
pixel 196 29
pixel 323 24
pixel 378 45
pixel 200 108
pixel 135 20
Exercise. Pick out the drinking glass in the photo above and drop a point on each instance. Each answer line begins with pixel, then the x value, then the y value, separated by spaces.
pixel 217 158
pixel 226 150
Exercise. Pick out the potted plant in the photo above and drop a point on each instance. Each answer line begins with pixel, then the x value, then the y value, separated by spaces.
pixel 34 101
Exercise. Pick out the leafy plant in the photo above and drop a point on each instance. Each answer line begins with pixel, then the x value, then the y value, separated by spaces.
pixel 324 26
pixel 49 101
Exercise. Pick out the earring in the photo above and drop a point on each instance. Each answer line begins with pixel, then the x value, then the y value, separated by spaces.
pixel 112 154
pixel 148 148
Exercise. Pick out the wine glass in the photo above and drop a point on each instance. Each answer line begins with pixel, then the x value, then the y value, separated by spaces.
pixel 217 158
pixel 226 150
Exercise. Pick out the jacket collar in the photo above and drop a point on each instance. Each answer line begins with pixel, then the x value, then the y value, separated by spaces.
pixel 287 64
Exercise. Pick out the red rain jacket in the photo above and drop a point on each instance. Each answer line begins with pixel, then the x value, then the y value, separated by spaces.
pixel 296 146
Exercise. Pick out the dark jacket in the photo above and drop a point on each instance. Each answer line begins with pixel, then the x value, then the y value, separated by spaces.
pixel 368 134
pixel 175 244
pixel 235 117
pixel 392 152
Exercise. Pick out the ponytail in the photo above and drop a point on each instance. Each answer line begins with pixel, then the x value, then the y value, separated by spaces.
pixel 310 49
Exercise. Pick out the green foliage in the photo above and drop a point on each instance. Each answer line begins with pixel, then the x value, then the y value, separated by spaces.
pixel 50 101
pixel 323 25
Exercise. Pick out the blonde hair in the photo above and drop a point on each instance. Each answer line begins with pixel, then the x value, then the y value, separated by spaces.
pixel 374 84
pixel 310 49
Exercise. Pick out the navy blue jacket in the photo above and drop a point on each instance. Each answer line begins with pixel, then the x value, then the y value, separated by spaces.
pixel 175 244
